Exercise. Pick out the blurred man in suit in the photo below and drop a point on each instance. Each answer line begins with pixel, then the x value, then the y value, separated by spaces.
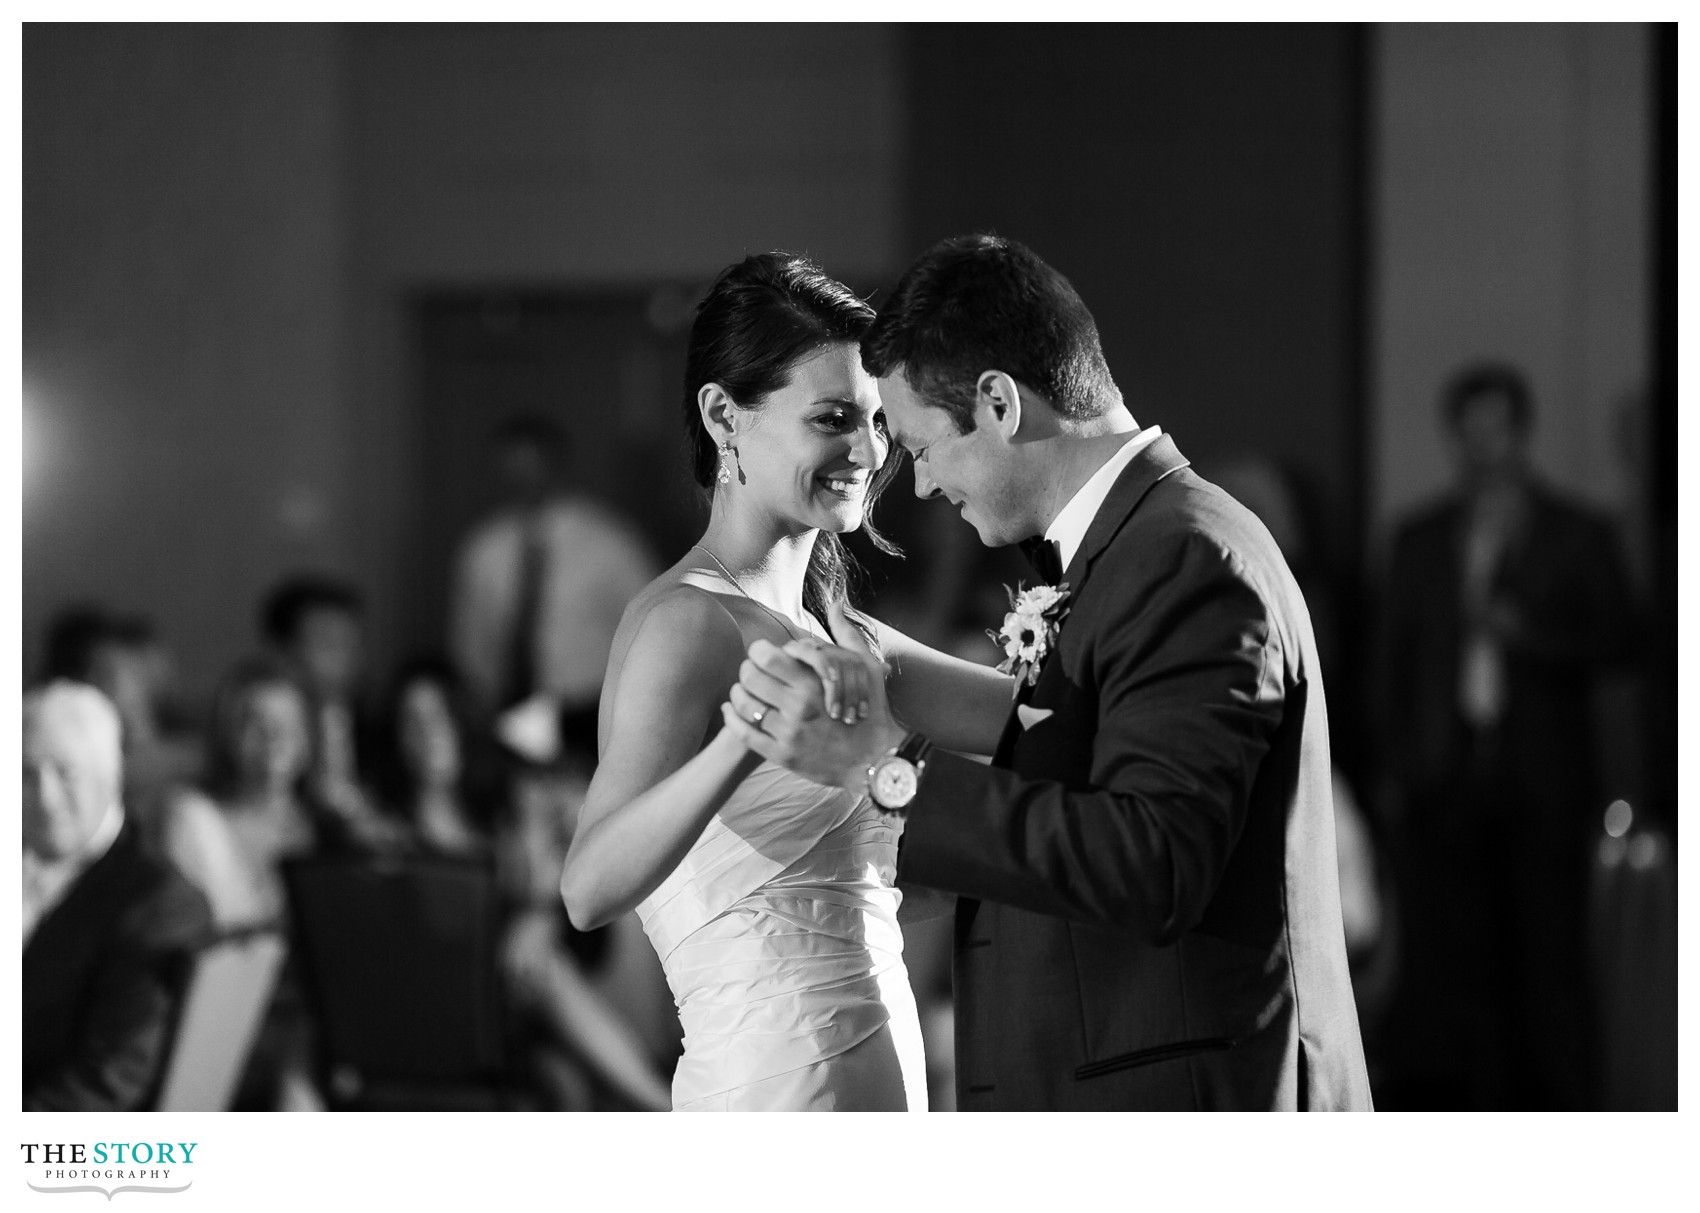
pixel 316 625
pixel 123 657
pixel 539 588
pixel 1505 600
pixel 109 929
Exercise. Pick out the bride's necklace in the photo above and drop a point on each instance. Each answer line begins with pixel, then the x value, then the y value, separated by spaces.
pixel 787 623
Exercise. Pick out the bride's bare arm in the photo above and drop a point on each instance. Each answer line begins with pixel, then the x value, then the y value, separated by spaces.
pixel 957 704
pixel 657 785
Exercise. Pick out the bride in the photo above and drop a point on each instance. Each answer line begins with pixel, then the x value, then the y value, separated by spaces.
pixel 768 898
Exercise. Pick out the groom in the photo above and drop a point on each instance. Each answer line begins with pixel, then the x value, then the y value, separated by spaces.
pixel 1148 915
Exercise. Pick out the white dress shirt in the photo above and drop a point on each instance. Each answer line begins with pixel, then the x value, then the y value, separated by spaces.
pixel 595 564
pixel 1068 528
pixel 1482 679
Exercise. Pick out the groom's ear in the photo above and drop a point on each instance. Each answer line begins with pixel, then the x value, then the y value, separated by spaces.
pixel 1000 398
pixel 716 408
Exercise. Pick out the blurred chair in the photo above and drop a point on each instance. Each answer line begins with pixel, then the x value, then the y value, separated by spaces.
pixel 230 984
pixel 399 959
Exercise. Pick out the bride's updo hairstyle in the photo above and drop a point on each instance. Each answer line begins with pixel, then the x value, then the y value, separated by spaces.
pixel 761 317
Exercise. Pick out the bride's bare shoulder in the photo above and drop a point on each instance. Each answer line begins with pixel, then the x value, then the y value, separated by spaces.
pixel 677 626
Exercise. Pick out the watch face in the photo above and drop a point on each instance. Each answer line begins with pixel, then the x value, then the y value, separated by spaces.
pixel 894 783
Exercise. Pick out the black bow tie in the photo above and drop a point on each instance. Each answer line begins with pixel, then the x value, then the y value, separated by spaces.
pixel 1046 560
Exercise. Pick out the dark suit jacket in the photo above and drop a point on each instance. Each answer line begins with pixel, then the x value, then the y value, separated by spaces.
pixel 1150 913
pixel 103 975
pixel 1567 581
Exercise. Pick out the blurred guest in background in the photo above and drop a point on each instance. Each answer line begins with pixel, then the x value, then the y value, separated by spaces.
pixel 230 837
pixel 1505 600
pixel 581 1048
pixel 109 929
pixel 432 769
pixel 539 589
pixel 250 812
pixel 428 767
pixel 122 657
pixel 314 624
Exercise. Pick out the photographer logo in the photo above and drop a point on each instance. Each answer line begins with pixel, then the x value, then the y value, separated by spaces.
pixel 109 1167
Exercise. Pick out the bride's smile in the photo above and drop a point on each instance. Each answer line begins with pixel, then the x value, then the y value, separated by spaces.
pixel 846 486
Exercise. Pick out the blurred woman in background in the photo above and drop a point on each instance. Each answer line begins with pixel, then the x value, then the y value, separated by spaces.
pixel 429 769
pixel 230 836
pixel 249 813
pixel 432 772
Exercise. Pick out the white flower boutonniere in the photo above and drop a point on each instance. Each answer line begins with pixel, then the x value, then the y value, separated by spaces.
pixel 1030 630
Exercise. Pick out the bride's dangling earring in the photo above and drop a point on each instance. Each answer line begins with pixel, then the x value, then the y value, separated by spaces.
pixel 725 477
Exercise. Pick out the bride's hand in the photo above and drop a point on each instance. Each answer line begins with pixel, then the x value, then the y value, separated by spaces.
pixel 847 671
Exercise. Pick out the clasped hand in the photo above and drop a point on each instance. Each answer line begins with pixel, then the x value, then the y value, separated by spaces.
pixel 818 709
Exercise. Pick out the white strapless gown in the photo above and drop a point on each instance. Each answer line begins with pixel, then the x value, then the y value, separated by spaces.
pixel 778 934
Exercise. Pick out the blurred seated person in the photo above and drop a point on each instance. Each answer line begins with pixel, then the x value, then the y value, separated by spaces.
pixel 539 587
pixel 314 625
pixel 430 771
pixel 437 776
pixel 122 657
pixel 250 812
pixel 109 929
pixel 230 836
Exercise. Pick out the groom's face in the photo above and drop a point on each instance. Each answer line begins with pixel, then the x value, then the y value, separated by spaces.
pixel 976 471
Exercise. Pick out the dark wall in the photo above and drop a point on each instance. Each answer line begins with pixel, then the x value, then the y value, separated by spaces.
pixel 1197 184
pixel 184 311
pixel 1661 640
pixel 1200 185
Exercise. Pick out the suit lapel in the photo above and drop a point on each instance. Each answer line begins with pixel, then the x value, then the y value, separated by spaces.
pixel 1144 470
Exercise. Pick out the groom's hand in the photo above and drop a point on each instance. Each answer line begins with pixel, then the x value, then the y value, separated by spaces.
pixel 778 709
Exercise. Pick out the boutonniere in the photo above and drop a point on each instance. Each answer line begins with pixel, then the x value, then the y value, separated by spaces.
pixel 1030 630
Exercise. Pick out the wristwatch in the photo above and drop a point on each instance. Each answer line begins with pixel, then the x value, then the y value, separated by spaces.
pixel 895 776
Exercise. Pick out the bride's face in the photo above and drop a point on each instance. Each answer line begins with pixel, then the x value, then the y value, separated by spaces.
pixel 810 451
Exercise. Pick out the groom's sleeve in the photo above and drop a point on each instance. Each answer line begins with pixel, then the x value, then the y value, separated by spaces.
pixel 1190 695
